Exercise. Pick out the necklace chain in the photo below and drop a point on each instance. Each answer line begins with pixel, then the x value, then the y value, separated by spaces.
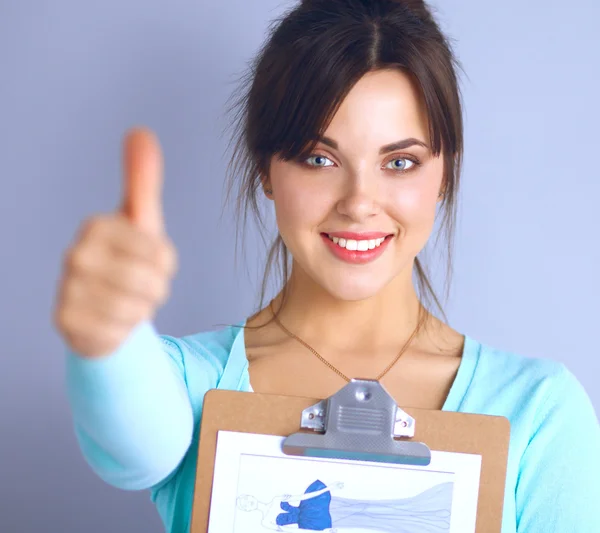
pixel 328 364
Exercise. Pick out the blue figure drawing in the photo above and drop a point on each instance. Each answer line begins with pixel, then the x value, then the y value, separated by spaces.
pixel 320 510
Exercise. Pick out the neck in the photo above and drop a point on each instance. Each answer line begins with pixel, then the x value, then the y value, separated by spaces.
pixel 385 320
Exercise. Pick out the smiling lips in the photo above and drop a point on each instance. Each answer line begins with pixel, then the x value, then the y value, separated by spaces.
pixel 357 248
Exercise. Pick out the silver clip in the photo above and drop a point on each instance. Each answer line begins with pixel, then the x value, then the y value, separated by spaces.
pixel 361 421
pixel 314 417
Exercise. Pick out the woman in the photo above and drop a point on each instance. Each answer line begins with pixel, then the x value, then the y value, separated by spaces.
pixel 351 126
pixel 318 509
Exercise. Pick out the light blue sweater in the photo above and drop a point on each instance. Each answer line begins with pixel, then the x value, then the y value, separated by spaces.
pixel 137 414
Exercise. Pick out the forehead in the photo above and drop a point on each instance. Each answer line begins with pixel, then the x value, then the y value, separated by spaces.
pixel 383 106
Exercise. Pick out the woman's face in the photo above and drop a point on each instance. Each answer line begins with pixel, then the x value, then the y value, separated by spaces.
pixel 354 217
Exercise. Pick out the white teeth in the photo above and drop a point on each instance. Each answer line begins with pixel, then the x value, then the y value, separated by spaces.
pixel 361 246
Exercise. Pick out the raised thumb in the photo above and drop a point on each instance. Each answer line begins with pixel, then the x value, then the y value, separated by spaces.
pixel 143 180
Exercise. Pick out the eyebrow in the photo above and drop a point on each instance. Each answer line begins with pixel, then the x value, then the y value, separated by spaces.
pixel 398 145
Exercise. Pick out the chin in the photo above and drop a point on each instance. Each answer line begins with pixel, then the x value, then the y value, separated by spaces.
pixel 351 290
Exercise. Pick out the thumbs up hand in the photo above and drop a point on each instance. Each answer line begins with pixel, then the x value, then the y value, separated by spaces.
pixel 118 271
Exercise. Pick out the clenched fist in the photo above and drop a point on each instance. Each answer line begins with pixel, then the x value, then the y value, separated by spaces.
pixel 119 269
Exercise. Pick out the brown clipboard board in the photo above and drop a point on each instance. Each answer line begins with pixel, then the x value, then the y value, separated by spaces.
pixel 267 414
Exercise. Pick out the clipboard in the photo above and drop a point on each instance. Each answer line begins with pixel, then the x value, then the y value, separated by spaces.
pixel 361 421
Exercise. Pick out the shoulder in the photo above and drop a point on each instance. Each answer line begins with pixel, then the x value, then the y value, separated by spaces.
pixel 520 371
pixel 517 385
pixel 516 371
pixel 553 425
pixel 207 350
pixel 547 407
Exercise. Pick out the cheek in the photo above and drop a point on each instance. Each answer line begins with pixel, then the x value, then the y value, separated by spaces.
pixel 414 202
pixel 299 206
pixel 413 208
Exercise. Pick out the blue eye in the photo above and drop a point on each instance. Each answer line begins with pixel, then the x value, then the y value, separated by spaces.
pixel 316 157
pixel 402 167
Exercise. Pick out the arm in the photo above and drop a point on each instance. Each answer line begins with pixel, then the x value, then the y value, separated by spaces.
pixel 131 410
pixel 559 480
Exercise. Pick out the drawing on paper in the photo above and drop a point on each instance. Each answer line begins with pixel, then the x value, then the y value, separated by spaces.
pixel 257 488
pixel 322 508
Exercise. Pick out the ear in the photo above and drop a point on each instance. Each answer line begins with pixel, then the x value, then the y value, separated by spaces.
pixel 442 191
pixel 266 185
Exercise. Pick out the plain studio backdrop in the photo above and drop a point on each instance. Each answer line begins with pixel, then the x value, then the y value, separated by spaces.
pixel 75 75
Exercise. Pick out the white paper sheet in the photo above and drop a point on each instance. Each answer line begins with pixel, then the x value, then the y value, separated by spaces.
pixel 257 488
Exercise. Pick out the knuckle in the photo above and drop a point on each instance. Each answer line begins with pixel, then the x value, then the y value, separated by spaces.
pixel 74 291
pixel 92 230
pixel 77 258
pixel 169 257
pixel 72 257
pixel 92 226
pixel 66 321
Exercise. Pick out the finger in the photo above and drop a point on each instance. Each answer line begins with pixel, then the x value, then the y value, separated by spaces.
pixel 128 242
pixel 143 181
pixel 109 306
pixel 132 277
pixel 135 280
pixel 121 238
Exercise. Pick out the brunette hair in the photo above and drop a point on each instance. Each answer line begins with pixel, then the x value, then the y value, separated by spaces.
pixel 315 53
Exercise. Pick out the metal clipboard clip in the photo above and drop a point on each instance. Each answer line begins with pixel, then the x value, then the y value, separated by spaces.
pixel 359 422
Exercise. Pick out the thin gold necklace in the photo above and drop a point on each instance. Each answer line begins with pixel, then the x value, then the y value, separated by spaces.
pixel 328 364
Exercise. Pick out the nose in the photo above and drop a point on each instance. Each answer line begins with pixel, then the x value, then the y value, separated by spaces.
pixel 359 200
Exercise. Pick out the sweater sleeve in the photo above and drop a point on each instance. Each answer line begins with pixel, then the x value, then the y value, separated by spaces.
pixel 131 409
pixel 558 489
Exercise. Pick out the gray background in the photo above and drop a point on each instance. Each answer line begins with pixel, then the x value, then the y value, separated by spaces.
pixel 76 74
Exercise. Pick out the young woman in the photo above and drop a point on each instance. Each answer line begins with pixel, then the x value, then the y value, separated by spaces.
pixel 351 125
